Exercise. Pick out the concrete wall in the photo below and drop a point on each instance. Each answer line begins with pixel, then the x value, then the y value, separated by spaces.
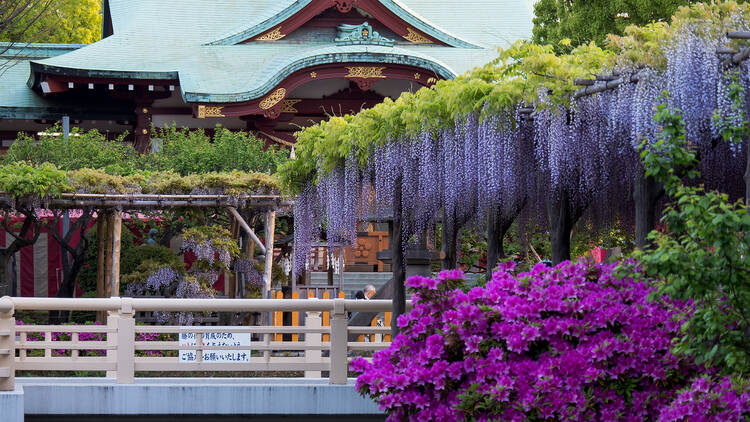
pixel 189 396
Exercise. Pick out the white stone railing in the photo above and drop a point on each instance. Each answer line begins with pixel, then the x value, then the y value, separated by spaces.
pixel 119 337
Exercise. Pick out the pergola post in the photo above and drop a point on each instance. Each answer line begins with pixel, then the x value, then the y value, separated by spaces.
pixel 101 250
pixel 112 266
pixel 270 229
pixel 231 286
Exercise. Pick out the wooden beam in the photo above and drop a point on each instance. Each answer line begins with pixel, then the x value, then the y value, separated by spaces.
pixel 270 230
pixel 247 228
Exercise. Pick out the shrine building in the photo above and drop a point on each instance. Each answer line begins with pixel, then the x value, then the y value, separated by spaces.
pixel 268 66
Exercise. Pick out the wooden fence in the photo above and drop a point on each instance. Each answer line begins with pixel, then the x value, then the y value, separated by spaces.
pixel 319 343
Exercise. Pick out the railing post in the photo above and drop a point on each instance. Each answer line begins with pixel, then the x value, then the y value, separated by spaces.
pixel 313 321
pixel 7 345
pixel 124 340
pixel 339 338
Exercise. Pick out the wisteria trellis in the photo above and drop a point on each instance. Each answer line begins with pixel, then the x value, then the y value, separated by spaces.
pixel 586 152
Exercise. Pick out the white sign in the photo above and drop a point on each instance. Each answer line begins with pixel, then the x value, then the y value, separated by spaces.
pixel 216 339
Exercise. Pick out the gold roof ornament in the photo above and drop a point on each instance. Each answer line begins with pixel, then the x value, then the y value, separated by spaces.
pixel 210 111
pixel 274 35
pixel 415 37
pixel 365 72
pixel 288 106
pixel 273 99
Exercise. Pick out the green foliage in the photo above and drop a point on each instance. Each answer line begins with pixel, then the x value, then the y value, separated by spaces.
pixel 234 164
pixel 131 258
pixel 583 21
pixel 192 152
pixel 703 257
pixel 141 272
pixel 670 157
pixel 56 21
pixel 21 179
pixel 80 150
pixel 733 128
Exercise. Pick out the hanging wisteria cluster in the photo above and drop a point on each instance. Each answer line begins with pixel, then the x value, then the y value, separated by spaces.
pixel 465 170
pixel 586 152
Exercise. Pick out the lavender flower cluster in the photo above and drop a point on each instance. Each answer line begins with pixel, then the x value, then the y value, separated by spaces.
pixel 574 342
pixel 207 251
pixel 251 274
pixel 586 151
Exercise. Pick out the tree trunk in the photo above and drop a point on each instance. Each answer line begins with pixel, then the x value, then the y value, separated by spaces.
pixel 497 226
pixel 562 217
pixel 449 240
pixel 646 194
pixel 399 273
pixel 747 177
pixel 5 274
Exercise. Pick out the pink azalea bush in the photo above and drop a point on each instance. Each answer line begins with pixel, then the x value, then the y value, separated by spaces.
pixel 706 400
pixel 569 343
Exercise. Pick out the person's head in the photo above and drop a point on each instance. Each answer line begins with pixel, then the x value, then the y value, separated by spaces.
pixel 359 295
pixel 369 291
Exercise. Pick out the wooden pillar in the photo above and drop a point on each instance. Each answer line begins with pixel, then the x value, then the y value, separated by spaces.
pixel 108 254
pixel 270 230
pixel 230 289
pixel 101 252
pixel 112 274
pixel 142 130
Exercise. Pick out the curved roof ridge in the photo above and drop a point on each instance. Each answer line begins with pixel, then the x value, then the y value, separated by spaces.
pixel 418 21
pixel 283 67
pixel 239 35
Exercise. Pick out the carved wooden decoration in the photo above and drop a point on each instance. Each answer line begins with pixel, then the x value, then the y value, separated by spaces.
pixel 274 35
pixel 209 111
pixel 415 37
pixel 365 72
pixel 273 99
pixel 344 6
pixel 288 106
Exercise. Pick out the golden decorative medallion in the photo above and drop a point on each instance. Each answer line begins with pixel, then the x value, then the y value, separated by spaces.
pixel 367 72
pixel 274 35
pixel 313 75
pixel 414 37
pixel 273 99
pixel 209 111
pixel 417 76
pixel 288 106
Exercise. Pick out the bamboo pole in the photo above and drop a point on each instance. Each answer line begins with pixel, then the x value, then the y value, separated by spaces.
pixel 241 221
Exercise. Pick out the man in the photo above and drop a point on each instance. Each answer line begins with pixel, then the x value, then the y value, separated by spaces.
pixel 369 291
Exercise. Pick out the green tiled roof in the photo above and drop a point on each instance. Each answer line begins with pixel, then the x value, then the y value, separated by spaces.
pixel 395 6
pixel 171 39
